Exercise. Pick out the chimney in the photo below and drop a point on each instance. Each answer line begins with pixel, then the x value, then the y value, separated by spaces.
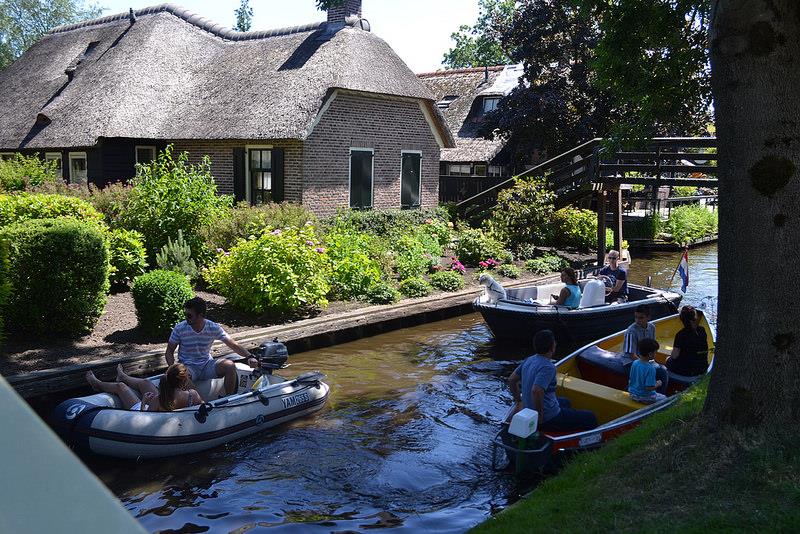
pixel 349 8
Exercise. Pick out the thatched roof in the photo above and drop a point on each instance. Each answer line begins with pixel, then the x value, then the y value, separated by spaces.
pixel 173 75
pixel 463 113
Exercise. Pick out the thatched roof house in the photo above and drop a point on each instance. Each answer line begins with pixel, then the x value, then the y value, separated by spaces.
pixel 325 114
pixel 465 96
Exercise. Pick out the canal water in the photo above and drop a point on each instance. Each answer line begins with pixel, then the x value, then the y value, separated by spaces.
pixel 403 443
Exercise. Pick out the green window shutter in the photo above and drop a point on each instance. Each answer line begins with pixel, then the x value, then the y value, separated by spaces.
pixel 277 175
pixel 239 183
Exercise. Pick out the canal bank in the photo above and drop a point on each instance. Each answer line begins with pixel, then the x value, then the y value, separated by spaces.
pixel 404 442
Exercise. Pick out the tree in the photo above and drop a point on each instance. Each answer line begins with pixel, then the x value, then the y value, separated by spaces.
pixel 244 16
pixel 23 22
pixel 479 45
pixel 324 5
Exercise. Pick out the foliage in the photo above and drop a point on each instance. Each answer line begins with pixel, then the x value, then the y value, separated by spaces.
pixel 26 206
pixel 127 255
pixel 488 264
pixel 278 272
pixel 244 16
pixel 447 280
pixel 546 264
pixel 5 285
pixel 245 220
pixel 416 252
pixel 323 5
pixel 523 213
pixel 505 256
pixel 353 271
pixel 479 45
pixel 575 228
pixel 382 292
pixel 111 201
pixel 159 297
pixel 23 22
pixel 648 227
pixel 474 245
pixel 177 256
pixel 690 223
pixel 414 287
pixel 170 194
pixel 683 191
pixel 456 266
pixel 390 224
pixel 509 270
pixel 20 172
pixel 58 272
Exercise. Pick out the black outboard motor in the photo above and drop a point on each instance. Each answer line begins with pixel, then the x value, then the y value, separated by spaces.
pixel 272 355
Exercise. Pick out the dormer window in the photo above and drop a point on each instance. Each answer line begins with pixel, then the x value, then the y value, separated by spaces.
pixel 445 102
pixel 490 103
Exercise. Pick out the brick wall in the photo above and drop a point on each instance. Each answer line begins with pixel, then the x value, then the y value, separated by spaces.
pixel 221 154
pixel 388 127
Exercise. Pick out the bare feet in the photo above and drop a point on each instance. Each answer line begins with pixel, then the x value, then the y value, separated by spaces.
pixel 93 381
pixel 120 373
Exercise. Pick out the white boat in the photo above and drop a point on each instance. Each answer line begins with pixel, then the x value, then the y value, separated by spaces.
pixel 98 423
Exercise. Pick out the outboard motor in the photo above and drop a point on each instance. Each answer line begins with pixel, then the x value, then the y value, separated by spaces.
pixel 272 355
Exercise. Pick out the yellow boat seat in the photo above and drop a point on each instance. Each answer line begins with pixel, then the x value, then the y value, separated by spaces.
pixel 606 403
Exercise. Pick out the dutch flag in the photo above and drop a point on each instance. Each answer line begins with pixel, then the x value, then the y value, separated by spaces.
pixel 683 270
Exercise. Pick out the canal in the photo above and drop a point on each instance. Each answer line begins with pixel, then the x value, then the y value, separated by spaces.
pixel 403 443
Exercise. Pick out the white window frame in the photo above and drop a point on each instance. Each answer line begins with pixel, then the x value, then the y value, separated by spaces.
pixel 49 156
pixel 248 193
pixel 499 172
pixel 461 165
pixel 419 193
pixel 78 155
pixel 350 177
pixel 138 147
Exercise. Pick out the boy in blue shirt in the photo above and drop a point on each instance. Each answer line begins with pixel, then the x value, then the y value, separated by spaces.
pixel 642 383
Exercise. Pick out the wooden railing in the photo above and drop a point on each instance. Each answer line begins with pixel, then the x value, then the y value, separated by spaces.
pixel 458 188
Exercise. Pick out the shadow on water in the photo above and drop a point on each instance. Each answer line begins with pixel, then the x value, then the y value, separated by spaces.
pixel 403 443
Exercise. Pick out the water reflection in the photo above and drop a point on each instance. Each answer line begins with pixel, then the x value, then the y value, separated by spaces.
pixel 402 444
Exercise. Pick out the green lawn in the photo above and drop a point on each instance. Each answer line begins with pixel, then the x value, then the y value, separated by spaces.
pixel 670 474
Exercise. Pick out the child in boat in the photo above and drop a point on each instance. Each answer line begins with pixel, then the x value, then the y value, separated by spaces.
pixel 642 383
pixel 173 392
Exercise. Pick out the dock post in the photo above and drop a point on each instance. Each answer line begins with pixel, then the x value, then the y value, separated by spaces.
pixel 601 227
pixel 618 220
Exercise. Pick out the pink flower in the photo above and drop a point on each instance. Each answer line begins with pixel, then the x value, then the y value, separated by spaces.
pixel 310 243
pixel 220 250
pixel 320 250
pixel 276 231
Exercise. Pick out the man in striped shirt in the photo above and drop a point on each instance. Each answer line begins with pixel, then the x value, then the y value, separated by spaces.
pixel 193 339
pixel 641 329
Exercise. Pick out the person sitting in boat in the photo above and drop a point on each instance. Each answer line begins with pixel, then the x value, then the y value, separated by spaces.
pixel 537 376
pixel 690 349
pixel 642 382
pixel 173 392
pixel 617 276
pixel 570 294
pixel 641 329
pixel 193 339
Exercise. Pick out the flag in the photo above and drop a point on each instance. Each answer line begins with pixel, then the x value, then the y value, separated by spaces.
pixel 683 270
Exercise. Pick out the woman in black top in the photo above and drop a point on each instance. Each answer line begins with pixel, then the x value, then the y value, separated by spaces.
pixel 690 350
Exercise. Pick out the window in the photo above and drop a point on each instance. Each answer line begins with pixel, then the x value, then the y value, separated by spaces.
pixel 410 178
pixel 460 170
pixel 361 169
pixel 6 155
pixel 445 102
pixel 480 169
pixel 490 103
pixel 495 170
pixel 145 154
pixel 78 168
pixel 55 156
pixel 260 169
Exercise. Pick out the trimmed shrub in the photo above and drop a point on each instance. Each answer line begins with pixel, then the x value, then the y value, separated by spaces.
pixel 127 257
pixel 415 287
pixel 575 228
pixel 447 280
pixel 353 272
pixel 546 264
pixel 21 172
pixel 387 223
pixel 59 276
pixel 159 297
pixel 278 272
pixel 523 213
pixel 170 194
pixel 26 206
pixel 690 223
pixel 246 221
pixel 177 256
pixel 383 292
pixel 648 227
pixel 474 246
pixel 509 270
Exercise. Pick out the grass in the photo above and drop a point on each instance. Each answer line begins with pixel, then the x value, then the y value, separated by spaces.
pixel 670 474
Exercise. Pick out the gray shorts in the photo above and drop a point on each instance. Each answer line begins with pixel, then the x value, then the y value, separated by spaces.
pixel 203 371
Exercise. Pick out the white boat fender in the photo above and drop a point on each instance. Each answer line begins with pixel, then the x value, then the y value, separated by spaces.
pixel 524 423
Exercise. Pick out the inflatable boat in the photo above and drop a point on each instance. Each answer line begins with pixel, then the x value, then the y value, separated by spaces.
pixel 595 378
pixel 98 423
pixel 516 314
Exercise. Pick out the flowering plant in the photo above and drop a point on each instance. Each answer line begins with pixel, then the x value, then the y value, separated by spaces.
pixel 488 264
pixel 457 266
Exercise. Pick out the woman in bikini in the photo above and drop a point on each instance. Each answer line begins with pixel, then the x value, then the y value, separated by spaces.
pixel 174 390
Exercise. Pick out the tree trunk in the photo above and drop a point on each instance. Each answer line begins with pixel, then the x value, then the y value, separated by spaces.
pixel 755 66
